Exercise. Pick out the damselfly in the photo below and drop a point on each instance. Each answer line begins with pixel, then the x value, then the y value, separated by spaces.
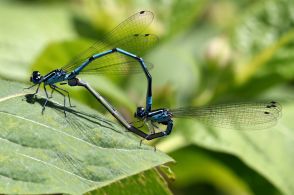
pixel 117 53
pixel 231 116
pixel 234 116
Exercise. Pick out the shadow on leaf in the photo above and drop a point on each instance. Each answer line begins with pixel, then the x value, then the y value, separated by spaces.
pixel 73 117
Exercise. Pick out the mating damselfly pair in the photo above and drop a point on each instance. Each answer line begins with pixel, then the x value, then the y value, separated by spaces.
pixel 119 53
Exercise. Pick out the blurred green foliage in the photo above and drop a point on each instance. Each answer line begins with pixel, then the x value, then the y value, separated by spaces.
pixel 209 52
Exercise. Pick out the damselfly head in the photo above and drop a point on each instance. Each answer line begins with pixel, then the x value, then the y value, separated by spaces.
pixel 140 113
pixel 36 77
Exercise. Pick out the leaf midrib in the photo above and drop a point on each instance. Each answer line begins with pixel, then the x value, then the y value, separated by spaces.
pixel 12 96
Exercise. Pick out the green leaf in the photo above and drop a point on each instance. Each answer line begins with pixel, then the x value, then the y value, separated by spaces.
pixel 225 173
pixel 179 19
pixel 197 167
pixel 169 60
pixel 148 182
pixel 265 29
pixel 51 153
pixel 25 30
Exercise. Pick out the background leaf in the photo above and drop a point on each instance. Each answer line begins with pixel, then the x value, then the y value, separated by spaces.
pixel 38 27
pixel 206 170
pixel 273 21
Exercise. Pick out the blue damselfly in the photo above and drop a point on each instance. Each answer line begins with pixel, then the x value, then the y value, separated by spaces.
pixel 242 116
pixel 117 53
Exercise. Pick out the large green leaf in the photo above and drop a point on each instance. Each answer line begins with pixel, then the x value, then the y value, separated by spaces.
pixel 52 153
pixel 262 39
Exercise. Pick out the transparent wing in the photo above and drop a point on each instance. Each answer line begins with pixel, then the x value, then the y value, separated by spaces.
pixel 234 116
pixel 83 125
pixel 132 43
pixel 127 35
pixel 135 24
pixel 122 68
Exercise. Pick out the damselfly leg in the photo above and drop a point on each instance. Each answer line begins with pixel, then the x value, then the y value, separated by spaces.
pixel 51 94
pixel 47 98
pixel 54 88
pixel 154 125
pixel 30 86
pixel 141 141
pixel 52 91
pixel 58 90
pixel 141 123
pixel 150 127
pixel 37 90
